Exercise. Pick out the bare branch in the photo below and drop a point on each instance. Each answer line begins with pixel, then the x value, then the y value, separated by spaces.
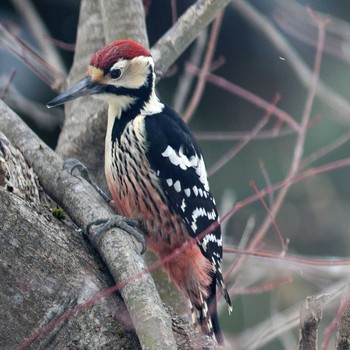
pixel 310 318
pixel 245 94
pixel 343 326
pixel 185 80
pixel 329 96
pixel 205 69
pixel 299 145
pixel 175 41
pixel 35 112
pixel 39 30
pixel 238 147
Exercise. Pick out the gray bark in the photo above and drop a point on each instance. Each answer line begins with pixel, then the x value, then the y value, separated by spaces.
pixel 47 269
pixel 60 247
pixel 84 205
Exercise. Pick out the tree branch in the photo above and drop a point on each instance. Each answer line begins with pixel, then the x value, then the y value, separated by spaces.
pixel 310 318
pixel 175 41
pixel 328 95
pixel 83 205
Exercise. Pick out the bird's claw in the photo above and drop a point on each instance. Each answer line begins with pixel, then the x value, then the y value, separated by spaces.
pixel 72 164
pixel 121 222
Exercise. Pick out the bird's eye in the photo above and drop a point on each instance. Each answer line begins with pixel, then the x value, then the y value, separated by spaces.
pixel 115 73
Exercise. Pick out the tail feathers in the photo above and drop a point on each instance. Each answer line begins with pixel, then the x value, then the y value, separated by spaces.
pixel 206 315
pixel 223 290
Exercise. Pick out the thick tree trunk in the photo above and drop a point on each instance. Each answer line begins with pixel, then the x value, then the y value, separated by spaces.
pixel 48 269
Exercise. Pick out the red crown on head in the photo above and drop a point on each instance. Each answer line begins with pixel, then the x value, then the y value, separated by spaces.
pixel 105 57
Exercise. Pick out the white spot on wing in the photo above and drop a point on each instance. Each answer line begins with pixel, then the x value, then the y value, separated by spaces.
pixel 187 192
pixel 194 226
pixel 183 205
pixel 169 182
pixel 177 186
pixel 195 162
pixel 210 237
pixel 202 173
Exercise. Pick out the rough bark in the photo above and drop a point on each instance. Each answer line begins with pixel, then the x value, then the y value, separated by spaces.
pixel 343 326
pixel 47 268
pixel 116 248
pixel 310 318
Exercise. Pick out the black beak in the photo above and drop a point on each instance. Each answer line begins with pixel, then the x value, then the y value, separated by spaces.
pixel 85 87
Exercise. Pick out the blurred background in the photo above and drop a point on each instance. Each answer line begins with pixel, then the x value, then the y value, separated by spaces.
pixel 314 216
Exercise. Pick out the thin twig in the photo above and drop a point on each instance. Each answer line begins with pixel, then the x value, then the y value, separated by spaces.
pixel 267 180
pixel 342 319
pixel 278 231
pixel 59 43
pixel 170 46
pixel 239 135
pixel 299 260
pixel 291 17
pixel 173 11
pixel 325 150
pixel 245 94
pixel 185 80
pixel 264 26
pixel 238 147
pixel 38 29
pixel 265 287
pixel 35 112
pixel 299 146
pixel 198 92
pixel 8 84
pixel 29 57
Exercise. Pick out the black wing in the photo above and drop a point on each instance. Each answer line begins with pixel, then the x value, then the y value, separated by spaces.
pixel 176 158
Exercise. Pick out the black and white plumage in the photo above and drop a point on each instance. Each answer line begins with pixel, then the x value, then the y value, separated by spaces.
pixel 156 174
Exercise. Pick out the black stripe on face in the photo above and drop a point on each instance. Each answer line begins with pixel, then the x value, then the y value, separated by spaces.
pixel 141 97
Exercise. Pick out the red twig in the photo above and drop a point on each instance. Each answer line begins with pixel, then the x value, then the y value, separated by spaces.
pixel 30 58
pixel 8 84
pixel 299 260
pixel 59 43
pixel 239 146
pixel 205 69
pixel 173 11
pixel 325 150
pixel 244 94
pixel 344 304
pixel 288 182
pixel 299 145
pixel 283 243
pixel 267 181
pixel 265 287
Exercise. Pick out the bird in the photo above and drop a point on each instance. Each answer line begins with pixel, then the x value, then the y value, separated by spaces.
pixel 156 175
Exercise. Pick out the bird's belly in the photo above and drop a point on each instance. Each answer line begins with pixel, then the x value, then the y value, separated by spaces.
pixel 137 194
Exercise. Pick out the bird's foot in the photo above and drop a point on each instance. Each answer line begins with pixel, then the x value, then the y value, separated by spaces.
pixel 72 165
pixel 120 222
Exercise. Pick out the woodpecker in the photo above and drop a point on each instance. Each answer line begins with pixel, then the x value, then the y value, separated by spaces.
pixel 156 174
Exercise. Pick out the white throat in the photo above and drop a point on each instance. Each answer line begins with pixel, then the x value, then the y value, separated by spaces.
pixel 153 106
